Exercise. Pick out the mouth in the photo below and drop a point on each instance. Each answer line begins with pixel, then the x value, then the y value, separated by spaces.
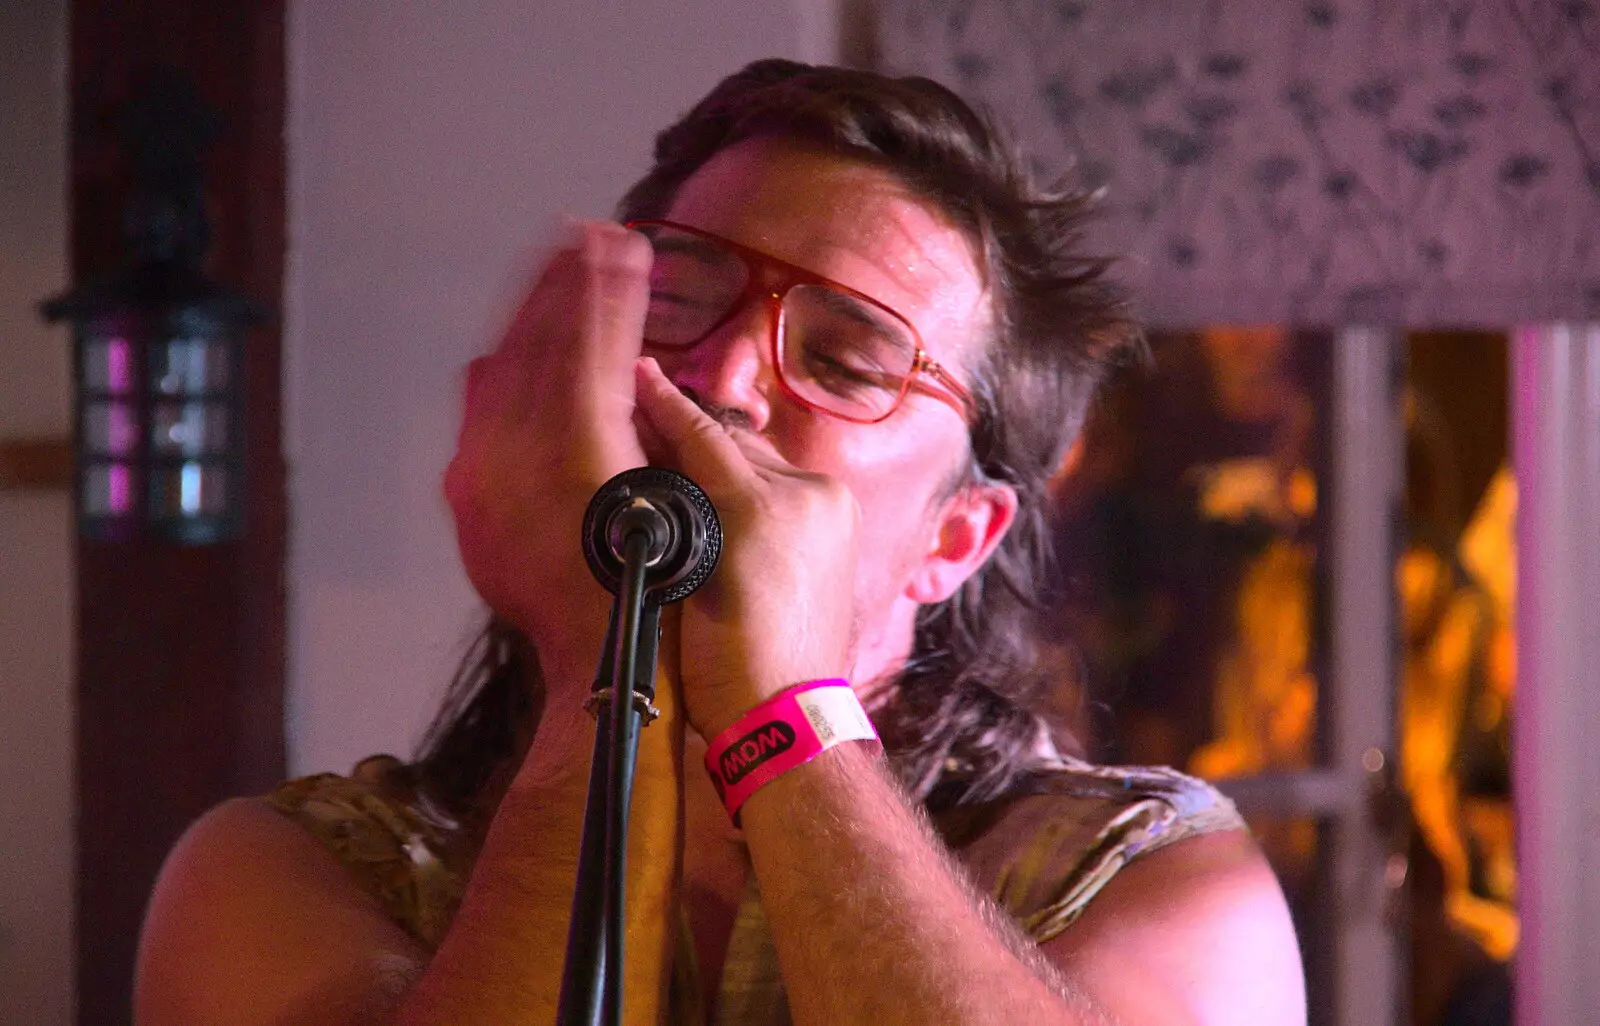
pixel 727 416
pixel 736 423
pixel 756 442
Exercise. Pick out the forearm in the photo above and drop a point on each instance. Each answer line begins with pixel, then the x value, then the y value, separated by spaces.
pixel 502 959
pixel 873 921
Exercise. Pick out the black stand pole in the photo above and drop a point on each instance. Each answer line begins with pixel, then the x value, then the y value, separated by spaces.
pixel 651 537
pixel 591 980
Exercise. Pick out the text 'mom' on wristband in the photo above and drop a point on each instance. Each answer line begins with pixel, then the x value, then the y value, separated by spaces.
pixel 787 730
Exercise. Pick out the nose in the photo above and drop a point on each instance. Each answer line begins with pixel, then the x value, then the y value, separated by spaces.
pixel 730 372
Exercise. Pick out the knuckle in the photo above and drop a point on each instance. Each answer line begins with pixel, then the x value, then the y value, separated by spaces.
pixel 464 484
pixel 707 431
pixel 477 374
pixel 454 484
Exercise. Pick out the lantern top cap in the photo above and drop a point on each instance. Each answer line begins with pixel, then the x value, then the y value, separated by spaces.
pixel 164 133
pixel 155 287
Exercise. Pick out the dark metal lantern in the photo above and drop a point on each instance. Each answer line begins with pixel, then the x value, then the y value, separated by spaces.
pixel 158 348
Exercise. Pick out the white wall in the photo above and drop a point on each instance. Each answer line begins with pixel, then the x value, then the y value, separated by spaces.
pixel 432 148
pixel 36 685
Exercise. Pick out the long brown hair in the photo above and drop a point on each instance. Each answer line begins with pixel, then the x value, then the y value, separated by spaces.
pixel 963 725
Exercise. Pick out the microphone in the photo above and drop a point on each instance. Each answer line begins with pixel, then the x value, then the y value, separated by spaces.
pixel 674 514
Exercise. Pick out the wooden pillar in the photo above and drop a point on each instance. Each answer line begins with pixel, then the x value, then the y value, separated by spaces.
pixel 180 650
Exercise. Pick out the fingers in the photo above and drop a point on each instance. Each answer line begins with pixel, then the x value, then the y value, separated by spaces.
pixel 594 285
pixel 615 265
pixel 681 433
pixel 487 385
pixel 656 449
pixel 570 345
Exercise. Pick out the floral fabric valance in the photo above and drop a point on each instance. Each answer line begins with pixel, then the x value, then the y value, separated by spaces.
pixel 1422 162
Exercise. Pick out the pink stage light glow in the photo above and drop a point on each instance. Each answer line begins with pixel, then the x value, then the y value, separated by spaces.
pixel 119 488
pixel 119 365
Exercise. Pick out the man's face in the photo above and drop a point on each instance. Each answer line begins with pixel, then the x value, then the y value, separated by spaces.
pixel 859 226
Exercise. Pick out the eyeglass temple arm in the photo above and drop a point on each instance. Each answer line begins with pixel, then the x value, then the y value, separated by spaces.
pixel 967 403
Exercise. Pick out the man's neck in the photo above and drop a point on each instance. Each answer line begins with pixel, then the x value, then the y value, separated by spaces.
pixel 881 652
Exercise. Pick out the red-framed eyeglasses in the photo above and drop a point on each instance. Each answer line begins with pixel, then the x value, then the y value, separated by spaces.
pixel 835 349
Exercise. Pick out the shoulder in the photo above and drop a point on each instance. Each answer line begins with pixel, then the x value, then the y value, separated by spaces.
pixel 253 919
pixel 1049 848
pixel 400 849
pixel 1206 922
pixel 1107 867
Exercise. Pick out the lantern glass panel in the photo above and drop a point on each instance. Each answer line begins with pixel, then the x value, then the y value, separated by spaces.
pixel 190 365
pixel 108 365
pixel 189 429
pixel 187 490
pixel 110 428
pixel 108 489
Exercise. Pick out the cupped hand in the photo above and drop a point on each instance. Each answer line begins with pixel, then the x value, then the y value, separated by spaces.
pixel 778 610
pixel 547 419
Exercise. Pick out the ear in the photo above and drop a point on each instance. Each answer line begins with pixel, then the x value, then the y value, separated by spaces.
pixel 968 527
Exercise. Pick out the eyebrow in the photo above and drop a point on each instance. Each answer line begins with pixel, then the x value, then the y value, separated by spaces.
pixel 871 315
pixel 704 250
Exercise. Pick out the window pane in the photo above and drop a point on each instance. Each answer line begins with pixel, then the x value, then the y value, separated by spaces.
pixel 1191 586
pixel 1189 550
pixel 1455 579
pixel 1188 546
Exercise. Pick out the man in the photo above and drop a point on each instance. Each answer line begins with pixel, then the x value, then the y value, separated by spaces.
pixel 849 317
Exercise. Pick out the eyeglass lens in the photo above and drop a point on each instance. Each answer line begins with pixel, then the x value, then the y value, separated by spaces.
pixel 837 351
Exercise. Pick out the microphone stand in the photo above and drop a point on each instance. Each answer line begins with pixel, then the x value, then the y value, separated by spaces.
pixel 591 982
pixel 666 550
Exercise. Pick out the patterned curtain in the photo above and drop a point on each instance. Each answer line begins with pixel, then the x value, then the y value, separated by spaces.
pixel 1418 162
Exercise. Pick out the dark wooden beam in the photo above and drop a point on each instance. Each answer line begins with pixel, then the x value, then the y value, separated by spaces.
pixel 180 650
pixel 35 464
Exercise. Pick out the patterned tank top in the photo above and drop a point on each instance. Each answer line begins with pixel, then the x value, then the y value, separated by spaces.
pixel 1042 853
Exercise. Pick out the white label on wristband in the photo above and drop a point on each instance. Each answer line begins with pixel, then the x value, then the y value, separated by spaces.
pixel 835 714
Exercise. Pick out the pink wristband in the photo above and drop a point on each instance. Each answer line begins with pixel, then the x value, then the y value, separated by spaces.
pixel 787 730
